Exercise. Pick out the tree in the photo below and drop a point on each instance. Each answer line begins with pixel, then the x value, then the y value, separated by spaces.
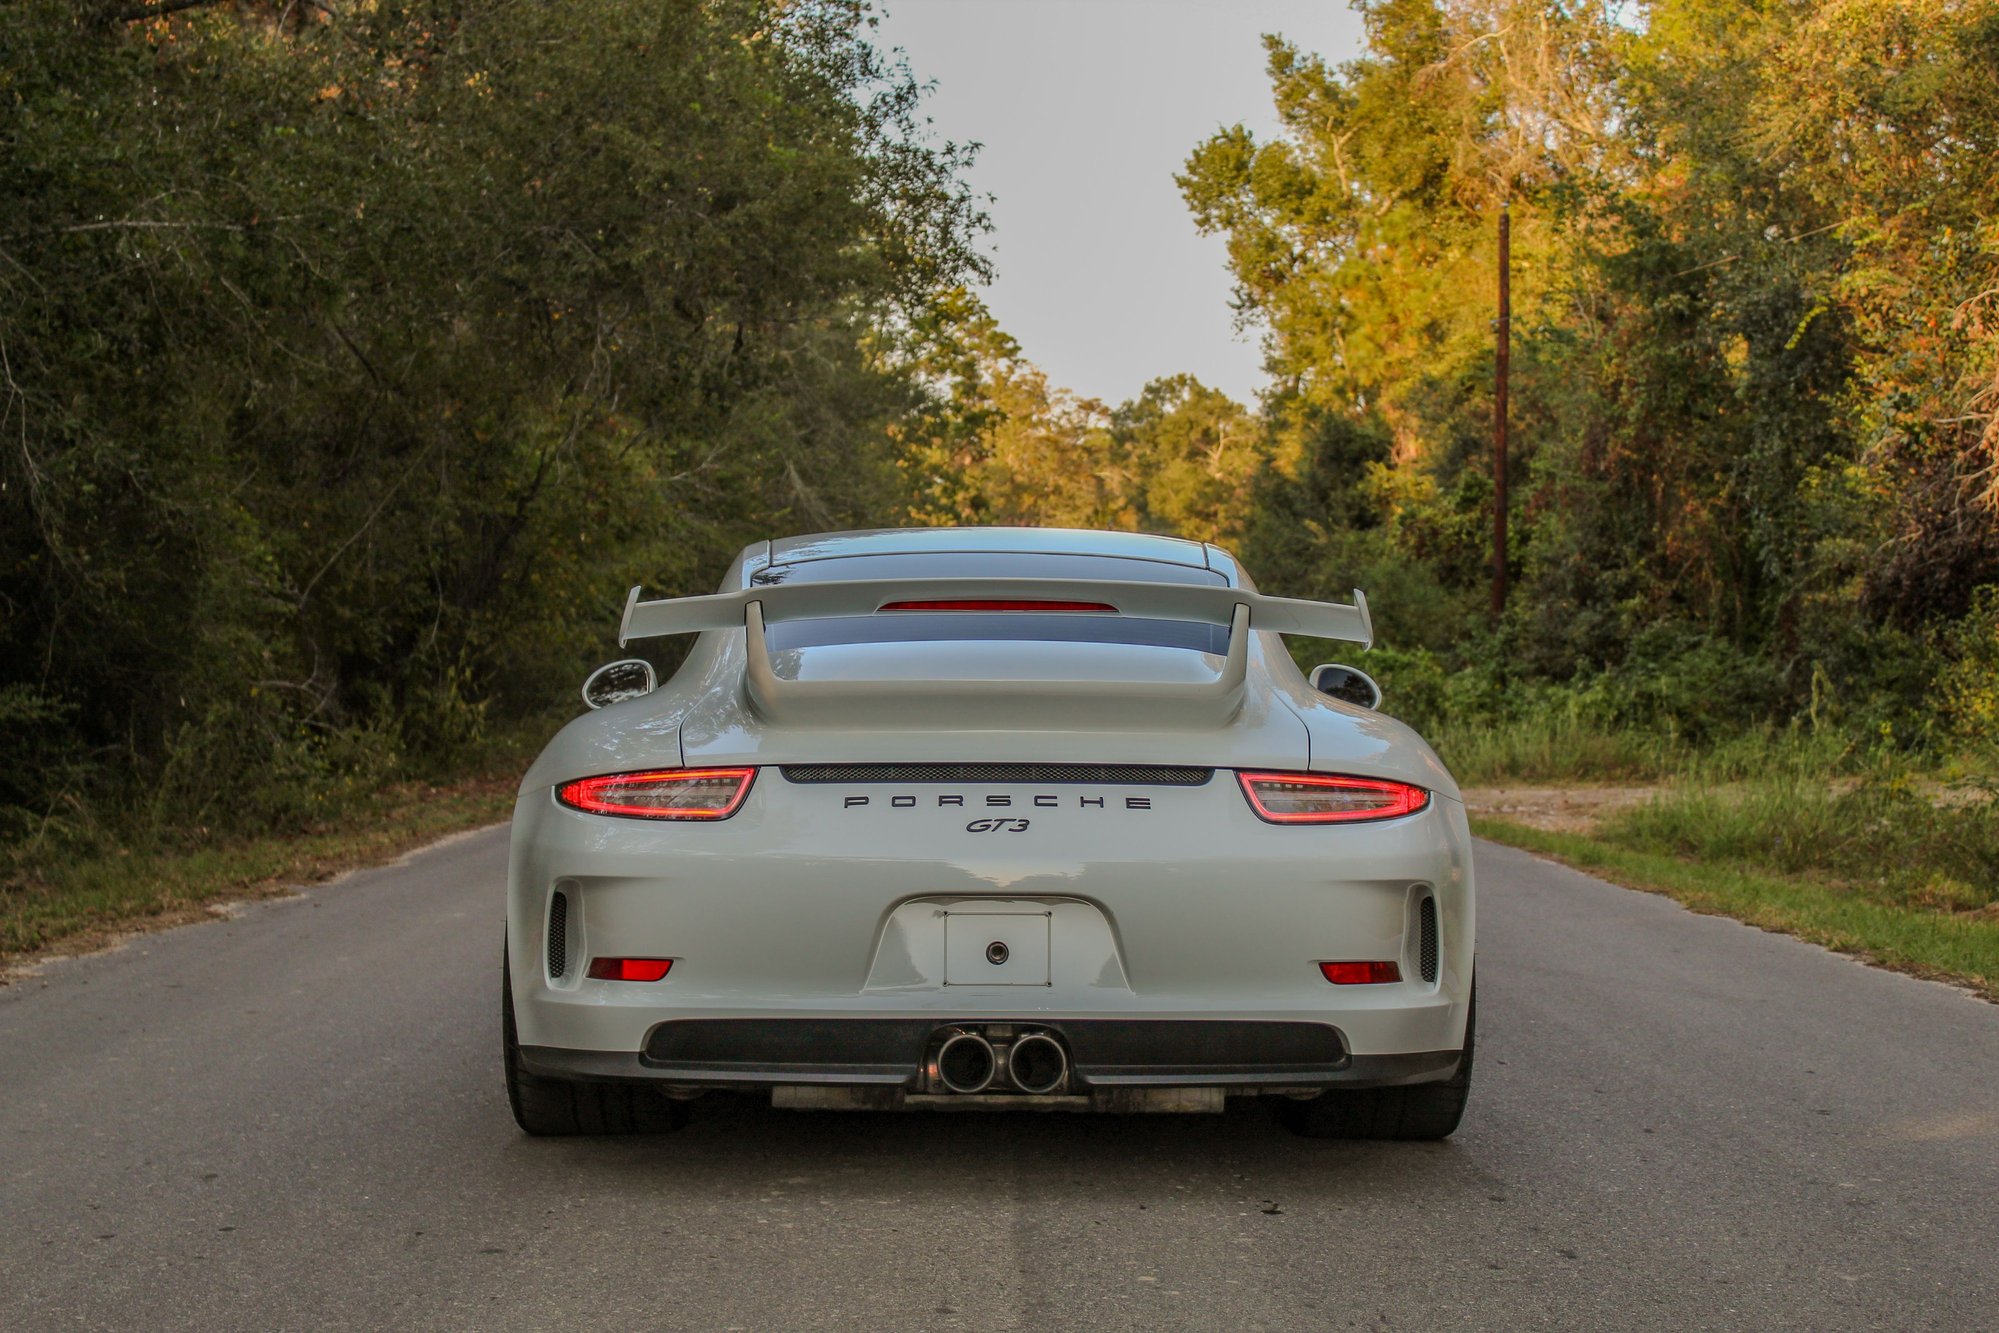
pixel 357 356
pixel 999 444
pixel 1197 452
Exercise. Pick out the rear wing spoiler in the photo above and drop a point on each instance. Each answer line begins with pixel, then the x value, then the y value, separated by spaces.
pixel 750 609
pixel 1200 603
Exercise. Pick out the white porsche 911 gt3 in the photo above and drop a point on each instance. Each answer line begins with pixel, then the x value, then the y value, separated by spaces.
pixel 989 817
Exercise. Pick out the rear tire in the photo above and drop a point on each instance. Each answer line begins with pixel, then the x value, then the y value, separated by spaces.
pixel 552 1107
pixel 1418 1111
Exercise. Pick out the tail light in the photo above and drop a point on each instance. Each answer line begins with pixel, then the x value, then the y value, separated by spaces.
pixel 661 793
pixel 1318 798
pixel 629 969
pixel 1354 974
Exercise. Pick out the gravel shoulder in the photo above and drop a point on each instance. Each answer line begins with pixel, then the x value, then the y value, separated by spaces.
pixel 1553 808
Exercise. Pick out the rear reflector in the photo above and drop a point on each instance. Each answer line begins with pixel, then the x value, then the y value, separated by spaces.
pixel 982 604
pixel 664 793
pixel 1352 974
pixel 1319 798
pixel 636 969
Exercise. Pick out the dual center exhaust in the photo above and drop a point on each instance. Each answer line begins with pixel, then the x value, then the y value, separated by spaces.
pixel 968 1062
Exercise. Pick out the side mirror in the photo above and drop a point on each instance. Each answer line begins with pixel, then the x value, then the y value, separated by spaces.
pixel 615 682
pixel 1347 684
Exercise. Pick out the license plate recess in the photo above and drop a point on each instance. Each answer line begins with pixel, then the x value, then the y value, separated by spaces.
pixel 996 948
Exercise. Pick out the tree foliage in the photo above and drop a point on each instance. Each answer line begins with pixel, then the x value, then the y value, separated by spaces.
pixel 1755 341
pixel 354 356
pixel 996 443
pixel 358 355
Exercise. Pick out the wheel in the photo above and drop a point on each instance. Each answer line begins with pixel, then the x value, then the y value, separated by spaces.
pixel 559 1106
pixel 1417 1111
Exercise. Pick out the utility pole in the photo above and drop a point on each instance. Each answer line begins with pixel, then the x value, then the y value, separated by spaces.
pixel 1503 326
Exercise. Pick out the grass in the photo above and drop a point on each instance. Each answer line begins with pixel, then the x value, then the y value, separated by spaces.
pixel 81 902
pixel 1896 839
pixel 1897 870
pixel 1962 948
pixel 1553 749
pixel 1563 747
pixel 1834 838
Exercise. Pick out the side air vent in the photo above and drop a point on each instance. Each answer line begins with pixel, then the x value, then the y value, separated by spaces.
pixel 1426 947
pixel 1151 775
pixel 558 935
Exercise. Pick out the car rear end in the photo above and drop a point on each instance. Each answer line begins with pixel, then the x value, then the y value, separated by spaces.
pixel 910 902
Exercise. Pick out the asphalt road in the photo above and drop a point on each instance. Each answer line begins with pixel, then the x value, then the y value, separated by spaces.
pixel 295 1120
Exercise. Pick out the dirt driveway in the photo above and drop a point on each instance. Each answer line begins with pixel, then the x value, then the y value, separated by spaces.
pixel 1556 809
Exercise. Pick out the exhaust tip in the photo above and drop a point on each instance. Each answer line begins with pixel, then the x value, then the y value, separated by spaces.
pixel 965 1063
pixel 1037 1064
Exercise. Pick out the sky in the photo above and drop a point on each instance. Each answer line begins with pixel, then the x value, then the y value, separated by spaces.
pixel 1086 109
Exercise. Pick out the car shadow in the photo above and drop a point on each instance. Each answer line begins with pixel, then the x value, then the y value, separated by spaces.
pixel 739 1142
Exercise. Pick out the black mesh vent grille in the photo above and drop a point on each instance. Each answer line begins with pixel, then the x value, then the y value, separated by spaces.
pixel 1153 775
pixel 558 935
pixel 1426 956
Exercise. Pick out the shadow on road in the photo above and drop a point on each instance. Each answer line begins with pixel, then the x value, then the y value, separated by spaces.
pixel 924 1156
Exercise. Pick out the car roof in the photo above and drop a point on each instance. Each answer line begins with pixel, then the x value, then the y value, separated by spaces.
pixel 1041 541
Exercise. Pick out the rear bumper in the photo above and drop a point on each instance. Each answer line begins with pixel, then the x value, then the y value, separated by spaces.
pixel 801 910
pixel 1241 1055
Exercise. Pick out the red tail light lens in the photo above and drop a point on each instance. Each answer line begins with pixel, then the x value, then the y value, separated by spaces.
pixel 1318 798
pixel 1009 605
pixel 663 793
pixel 1358 974
pixel 631 969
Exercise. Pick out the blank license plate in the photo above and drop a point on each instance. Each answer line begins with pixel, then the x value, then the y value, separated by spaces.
pixel 996 949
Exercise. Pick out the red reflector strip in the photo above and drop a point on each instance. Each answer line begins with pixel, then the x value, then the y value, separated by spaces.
pixel 631 969
pixel 1321 798
pixel 987 605
pixel 1357 974
pixel 665 793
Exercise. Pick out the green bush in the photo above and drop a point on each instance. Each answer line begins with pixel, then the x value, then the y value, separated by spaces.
pixel 1968 685
pixel 360 357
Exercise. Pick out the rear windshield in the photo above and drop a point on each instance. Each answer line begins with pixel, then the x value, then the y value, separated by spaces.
pixel 1017 626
